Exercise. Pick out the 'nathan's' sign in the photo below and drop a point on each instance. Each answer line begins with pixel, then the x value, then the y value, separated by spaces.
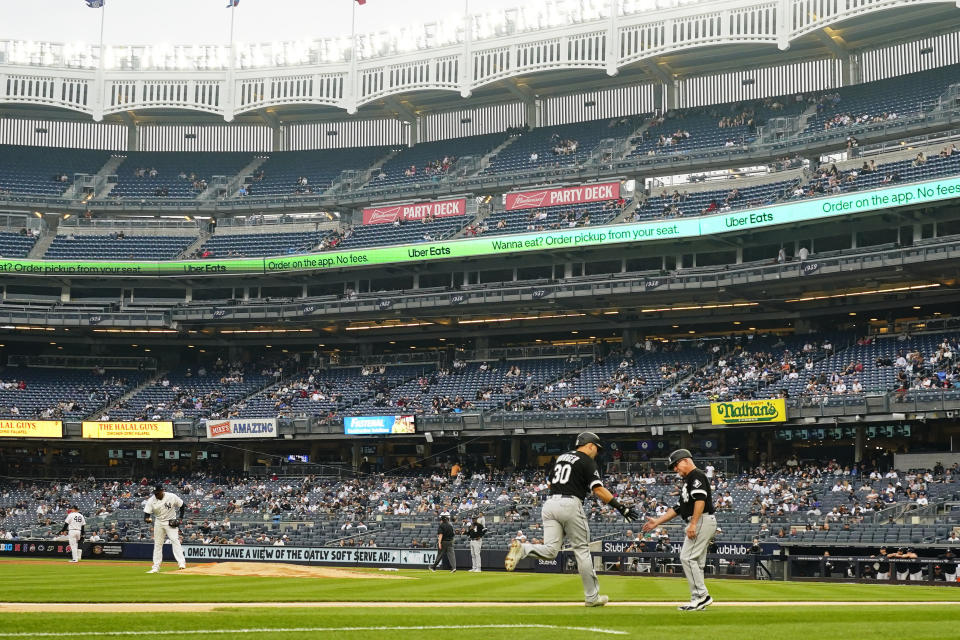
pixel 565 195
pixel 748 411
pixel 418 211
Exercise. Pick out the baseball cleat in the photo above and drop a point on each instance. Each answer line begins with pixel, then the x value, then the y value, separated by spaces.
pixel 513 556
pixel 181 568
pixel 453 570
pixel 687 607
pixel 599 602
pixel 431 568
pixel 703 604
pixel 154 571
pixel 73 561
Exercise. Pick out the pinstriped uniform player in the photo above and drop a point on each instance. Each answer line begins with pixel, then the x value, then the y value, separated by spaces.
pixel 165 510
pixel 74 524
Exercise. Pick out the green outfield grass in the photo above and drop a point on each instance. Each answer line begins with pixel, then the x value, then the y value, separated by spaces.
pixel 734 623
pixel 93 582
pixel 128 582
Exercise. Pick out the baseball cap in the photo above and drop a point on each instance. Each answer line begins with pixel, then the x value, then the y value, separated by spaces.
pixel 158 487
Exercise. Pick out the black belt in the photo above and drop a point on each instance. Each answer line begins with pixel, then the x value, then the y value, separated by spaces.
pixel 564 495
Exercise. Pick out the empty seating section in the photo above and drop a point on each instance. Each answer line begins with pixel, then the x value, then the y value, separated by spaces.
pixel 545 218
pixel 370 235
pixel 282 172
pixel 117 247
pixel 189 393
pixel 891 172
pixel 564 145
pixel 325 392
pixel 677 203
pixel 615 380
pixel 15 245
pixel 27 392
pixel 721 126
pixel 430 161
pixel 45 171
pixel 146 174
pixel 904 96
pixel 261 244
pixel 477 386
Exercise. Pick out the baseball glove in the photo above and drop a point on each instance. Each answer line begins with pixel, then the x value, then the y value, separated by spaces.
pixel 174 523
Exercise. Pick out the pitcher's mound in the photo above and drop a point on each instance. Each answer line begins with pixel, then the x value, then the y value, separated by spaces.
pixel 279 570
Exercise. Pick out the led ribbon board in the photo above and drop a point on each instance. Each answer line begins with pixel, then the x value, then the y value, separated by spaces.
pixel 507 246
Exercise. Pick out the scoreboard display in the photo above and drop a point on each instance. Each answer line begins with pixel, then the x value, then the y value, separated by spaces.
pixel 843 433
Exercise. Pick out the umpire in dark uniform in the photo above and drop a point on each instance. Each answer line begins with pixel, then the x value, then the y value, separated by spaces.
pixel 445 544
pixel 696 509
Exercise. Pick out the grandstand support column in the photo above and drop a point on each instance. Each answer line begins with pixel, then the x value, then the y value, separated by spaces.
pixel 65 293
pixel 133 131
pixel 247 459
pixel 531 102
pixel 481 344
pixel 783 24
pixel 665 92
pixel 859 443
pixel 188 295
pixel 515 452
pixel 405 114
pixel 612 49
pixel 739 259
pixel 276 129
pixel 354 454
pixel 753 443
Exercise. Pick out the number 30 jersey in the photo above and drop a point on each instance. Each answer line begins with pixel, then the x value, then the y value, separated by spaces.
pixel 574 474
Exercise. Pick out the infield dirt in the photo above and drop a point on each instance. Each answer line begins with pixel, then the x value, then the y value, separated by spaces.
pixel 280 570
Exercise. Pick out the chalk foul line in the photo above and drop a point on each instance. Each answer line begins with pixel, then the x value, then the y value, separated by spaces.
pixel 171 632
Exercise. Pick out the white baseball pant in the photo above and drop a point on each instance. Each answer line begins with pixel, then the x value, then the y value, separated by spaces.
pixel 75 549
pixel 161 533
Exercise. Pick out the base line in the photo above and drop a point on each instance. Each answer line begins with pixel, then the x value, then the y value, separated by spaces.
pixel 171 632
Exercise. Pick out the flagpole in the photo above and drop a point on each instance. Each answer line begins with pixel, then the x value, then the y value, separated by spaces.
pixel 233 11
pixel 103 54
pixel 354 83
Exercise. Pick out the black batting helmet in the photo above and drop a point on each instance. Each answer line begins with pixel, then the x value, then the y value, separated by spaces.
pixel 677 456
pixel 588 437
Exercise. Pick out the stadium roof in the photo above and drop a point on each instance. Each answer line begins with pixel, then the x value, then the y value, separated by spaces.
pixel 862 32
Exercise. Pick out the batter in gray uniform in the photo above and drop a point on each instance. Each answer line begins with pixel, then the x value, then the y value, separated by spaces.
pixel 573 477
pixel 696 509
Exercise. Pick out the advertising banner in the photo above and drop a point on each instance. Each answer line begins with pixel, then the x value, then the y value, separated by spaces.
pixel 34 548
pixel 378 425
pixel 513 246
pixel 418 211
pixel 239 428
pixel 748 411
pixel 127 430
pixel 564 195
pixel 334 555
pixel 31 429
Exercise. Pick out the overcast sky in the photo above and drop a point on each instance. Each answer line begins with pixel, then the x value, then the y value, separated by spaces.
pixel 208 21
